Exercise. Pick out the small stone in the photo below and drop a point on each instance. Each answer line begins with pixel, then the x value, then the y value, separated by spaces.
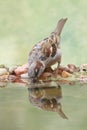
pixel 46 75
pixel 4 77
pixel 3 71
pixel 21 69
pixel 11 69
pixel 65 74
pixel 83 67
pixel 25 75
pixel 73 68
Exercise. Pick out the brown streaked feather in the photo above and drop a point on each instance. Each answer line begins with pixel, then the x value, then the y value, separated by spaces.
pixel 54 49
pixel 51 42
pixel 49 47
pixel 46 48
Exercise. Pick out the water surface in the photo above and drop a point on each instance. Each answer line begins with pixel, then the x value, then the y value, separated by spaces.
pixel 18 111
pixel 23 24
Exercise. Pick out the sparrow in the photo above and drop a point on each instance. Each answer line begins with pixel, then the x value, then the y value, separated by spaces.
pixel 47 98
pixel 46 53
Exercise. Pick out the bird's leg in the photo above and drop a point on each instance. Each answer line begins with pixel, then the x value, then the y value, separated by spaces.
pixel 58 66
pixel 57 58
pixel 59 61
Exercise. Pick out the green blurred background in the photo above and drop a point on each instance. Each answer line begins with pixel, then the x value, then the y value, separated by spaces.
pixel 25 22
pixel 22 24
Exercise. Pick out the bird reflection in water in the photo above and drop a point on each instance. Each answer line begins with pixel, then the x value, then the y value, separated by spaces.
pixel 47 98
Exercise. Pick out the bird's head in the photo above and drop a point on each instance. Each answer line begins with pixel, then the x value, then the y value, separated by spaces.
pixel 35 70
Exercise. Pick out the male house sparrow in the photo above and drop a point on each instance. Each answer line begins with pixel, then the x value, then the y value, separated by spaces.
pixel 45 53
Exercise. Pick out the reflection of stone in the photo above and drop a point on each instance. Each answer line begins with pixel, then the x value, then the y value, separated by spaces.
pixel 3 84
pixel 47 98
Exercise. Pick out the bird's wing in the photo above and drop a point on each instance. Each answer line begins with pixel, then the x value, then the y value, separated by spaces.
pixel 50 44
pixel 48 48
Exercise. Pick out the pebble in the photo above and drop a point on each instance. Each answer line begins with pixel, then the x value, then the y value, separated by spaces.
pixel 3 71
pixel 65 74
pixel 83 67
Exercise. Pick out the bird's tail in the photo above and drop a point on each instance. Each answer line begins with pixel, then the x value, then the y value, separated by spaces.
pixel 60 26
pixel 61 113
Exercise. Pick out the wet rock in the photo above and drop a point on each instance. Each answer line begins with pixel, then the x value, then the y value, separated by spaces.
pixel 83 67
pixel 65 74
pixel 12 70
pixel 21 69
pixel 46 75
pixel 4 77
pixel 73 68
pixel 3 71
pixel 25 75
